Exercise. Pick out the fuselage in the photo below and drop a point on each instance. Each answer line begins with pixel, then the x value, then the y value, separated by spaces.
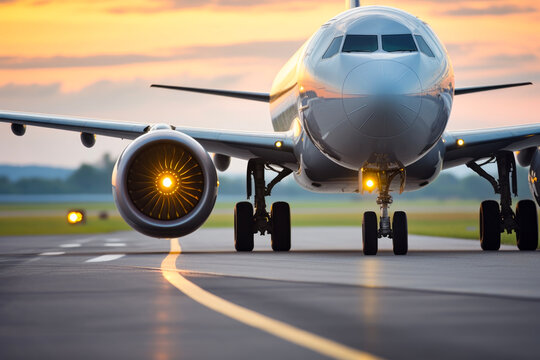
pixel 372 89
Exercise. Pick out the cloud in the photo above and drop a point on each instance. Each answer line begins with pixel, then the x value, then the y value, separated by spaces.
pixel 496 10
pixel 132 101
pixel 500 61
pixel 512 60
pixel 260 49
pixel 460 48
pixel 13 91
pixel 167 5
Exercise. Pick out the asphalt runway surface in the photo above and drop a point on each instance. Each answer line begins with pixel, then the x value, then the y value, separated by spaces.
pixel 124 295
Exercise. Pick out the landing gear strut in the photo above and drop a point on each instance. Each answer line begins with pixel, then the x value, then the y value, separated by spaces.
pixel 496 218
pixel 247 222
pixel 398 231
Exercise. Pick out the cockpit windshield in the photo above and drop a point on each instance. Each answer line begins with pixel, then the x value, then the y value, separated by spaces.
pixel 424 47
pixel 398 42
pixel 360 43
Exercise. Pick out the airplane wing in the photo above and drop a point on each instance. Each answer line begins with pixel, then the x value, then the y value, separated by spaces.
pixel 276 148
pixel 464 146
pixel 265 97
pixel 245 95
pixel 474 89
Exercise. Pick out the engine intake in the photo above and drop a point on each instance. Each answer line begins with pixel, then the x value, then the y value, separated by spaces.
pixel 165 184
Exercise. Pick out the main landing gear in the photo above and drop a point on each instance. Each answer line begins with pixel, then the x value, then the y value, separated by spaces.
pixel 247 222
pixel 398 230
pixel 496 218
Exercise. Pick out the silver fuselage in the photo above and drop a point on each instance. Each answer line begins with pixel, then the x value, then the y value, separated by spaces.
pixel 378 110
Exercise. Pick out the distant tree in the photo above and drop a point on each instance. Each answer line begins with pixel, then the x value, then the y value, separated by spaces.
pixel 96 179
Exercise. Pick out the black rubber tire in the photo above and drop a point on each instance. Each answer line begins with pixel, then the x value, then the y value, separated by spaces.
pixel 400 235
pixel 243 226
pixel 370 236
pixel 280 214
pixel 490 225
pixel 527 220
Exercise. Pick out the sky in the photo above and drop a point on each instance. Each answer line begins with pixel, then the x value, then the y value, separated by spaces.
pixel 97 58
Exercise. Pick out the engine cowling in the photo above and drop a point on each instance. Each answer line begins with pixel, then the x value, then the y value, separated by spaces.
pixel 165 184
pixel 534 176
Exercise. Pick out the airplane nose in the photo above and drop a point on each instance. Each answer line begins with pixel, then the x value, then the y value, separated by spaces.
pixel 382 98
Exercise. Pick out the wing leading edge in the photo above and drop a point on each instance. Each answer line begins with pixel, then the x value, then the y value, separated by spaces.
pixel 246 95
pixel 474 89
pixel 276 147
pixel 464 146
pixel 265 97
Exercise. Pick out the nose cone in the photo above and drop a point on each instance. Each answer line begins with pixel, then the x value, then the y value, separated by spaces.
pixel 382 98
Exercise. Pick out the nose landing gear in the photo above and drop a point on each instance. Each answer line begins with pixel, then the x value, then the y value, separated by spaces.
pixel 495 218
pixel 397 231
pixel 277 223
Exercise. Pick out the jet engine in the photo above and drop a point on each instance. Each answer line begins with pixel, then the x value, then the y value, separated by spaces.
pixel 165 184
pixel 534 175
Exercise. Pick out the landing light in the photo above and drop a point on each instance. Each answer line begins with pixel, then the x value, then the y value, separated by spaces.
pixel 278 144
pixel 370 183
pixel 460 142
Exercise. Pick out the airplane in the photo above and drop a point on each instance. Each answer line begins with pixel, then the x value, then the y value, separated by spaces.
pixel 361 107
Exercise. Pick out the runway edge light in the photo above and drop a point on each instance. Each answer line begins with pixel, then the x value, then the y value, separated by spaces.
pixel 76 216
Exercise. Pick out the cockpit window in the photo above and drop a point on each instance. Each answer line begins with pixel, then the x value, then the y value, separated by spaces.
pixel 424 47
pixel 399 42
pixel 333 49
pixel 360 43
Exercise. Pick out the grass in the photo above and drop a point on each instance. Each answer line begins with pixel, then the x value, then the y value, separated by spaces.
pixel 425 218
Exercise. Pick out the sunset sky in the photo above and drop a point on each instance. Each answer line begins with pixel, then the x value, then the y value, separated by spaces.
pixel 98 57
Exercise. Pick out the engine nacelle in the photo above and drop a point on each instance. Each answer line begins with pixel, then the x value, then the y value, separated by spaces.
pixel 222 162
pixel 165 184
pixel 524 157
pixel 534 176
pixel 425 170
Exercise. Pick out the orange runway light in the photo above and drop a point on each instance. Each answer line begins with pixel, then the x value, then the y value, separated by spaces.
pixel 76 217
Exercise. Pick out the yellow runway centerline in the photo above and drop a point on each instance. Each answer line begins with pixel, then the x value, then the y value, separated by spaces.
pixel 249 317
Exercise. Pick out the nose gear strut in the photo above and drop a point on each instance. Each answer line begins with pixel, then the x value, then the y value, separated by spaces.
pixel 397 231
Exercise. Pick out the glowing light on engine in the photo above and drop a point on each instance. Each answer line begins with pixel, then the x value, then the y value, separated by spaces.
pixel 460 142
pixel 167 182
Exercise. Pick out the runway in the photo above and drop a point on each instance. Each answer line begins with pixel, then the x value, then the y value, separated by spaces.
pixel 115 295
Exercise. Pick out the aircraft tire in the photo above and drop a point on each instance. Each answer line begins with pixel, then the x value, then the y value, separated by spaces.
pixel 400 239
pixel 280 213
pixel 490 222
pixel 370 237
pixel 527 220
pixel 243 226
